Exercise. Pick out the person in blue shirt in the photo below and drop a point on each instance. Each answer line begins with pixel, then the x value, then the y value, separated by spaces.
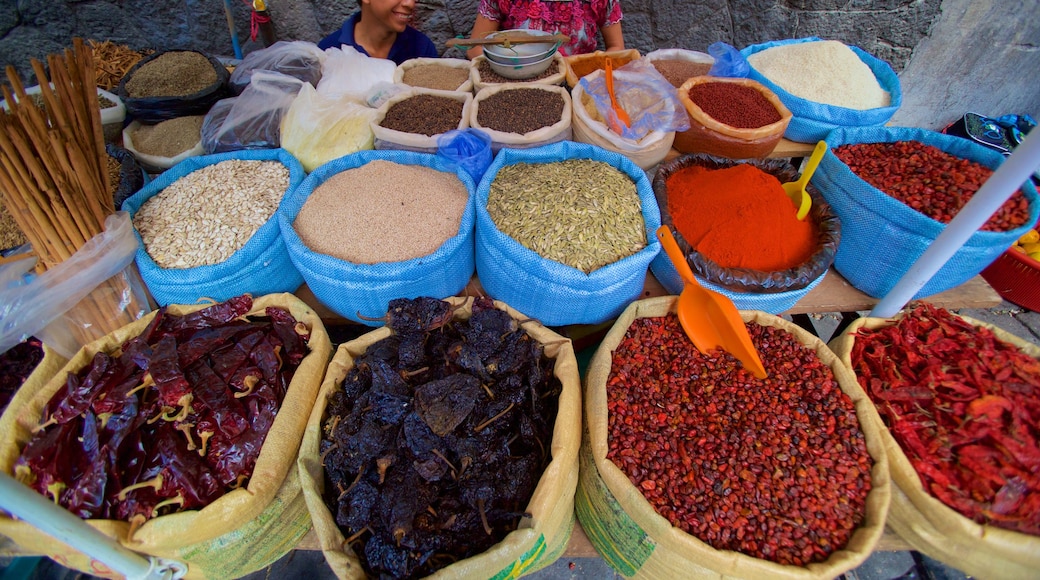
pixel 381 30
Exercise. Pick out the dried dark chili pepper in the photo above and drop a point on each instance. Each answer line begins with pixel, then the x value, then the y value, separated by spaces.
pixel 210 390
pixel 16 364
pixel 776 469
pixel 428 460
pixel 78 394
pixel 963 406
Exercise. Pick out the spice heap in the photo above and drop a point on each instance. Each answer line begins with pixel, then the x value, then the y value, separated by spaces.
pixel 520 111
pixel 177 73
pixel 382 212
pixel 582 213
pixel 739 217
pixel 209 214
pixel 929 180
pixel 435 441
pixel 734 104
pixel 436 76
pixel 16 365
pixel 424 114
pixel 776 469
pixel 10 235
pixel 172 420
pixel 168 138
pixel 824 71
pixel 112 62
pixel 489 76
pixel 677 71
pixel 962 404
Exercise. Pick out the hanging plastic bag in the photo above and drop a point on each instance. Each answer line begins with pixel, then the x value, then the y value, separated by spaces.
pixel 47 305
pixel 297 58
pixel 348 74
pixel 317 129
pixel 728 61
pixel 643 92
pixel 253 119
pixel 470 149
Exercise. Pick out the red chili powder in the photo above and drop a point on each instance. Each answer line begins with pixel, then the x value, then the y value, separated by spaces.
pixel 734 104
pixel 739 217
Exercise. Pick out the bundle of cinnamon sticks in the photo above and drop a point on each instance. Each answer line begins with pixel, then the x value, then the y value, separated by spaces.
pixel 53 173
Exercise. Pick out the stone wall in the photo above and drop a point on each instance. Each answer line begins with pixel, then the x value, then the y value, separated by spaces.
pixel 942 48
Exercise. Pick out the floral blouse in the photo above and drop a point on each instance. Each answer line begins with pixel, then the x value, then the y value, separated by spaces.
pixel 580 19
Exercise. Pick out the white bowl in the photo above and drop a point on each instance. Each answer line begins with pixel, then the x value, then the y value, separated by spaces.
pixel 524 71
pixel 520 54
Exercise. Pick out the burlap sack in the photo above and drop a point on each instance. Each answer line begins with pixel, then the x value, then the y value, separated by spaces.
pixel 244 530
pixel 539 540
pixel 558 131
pixel 637 542
pixel 927 524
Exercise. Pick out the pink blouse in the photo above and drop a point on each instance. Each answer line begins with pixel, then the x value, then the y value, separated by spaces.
pixel 579 19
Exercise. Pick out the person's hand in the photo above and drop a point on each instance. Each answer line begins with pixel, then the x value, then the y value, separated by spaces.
pixel 613 39
pixel 481 28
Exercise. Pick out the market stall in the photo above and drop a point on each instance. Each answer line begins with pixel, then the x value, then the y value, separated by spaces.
pixel 361 293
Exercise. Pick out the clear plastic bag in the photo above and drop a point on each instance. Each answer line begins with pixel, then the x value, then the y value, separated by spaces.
pixel 85 297
pixel 253 119
pixel 317 128
pixel 297 58
pixel 643 92
pixel 348 74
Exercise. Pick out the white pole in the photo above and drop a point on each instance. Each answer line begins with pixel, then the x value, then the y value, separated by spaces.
pixel 53 520
pixel 1000 186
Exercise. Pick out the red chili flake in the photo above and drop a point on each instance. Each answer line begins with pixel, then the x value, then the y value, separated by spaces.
pixel 929 180
pixel 963 406
pixel 776 468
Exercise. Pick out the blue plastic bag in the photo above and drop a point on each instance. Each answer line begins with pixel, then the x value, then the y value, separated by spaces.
pixel 469 148
pixel 728 61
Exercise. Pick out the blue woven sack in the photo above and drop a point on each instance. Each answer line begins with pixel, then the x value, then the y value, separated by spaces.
pixel 882 237
pixel 350 289
pixel 547 290
pixel 812 121
pixel 261 266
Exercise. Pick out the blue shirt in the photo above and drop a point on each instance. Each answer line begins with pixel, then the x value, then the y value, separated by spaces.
pixel 409 44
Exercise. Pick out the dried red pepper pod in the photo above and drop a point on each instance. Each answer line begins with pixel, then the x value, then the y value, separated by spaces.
pixel 216 315
pixel 79 392
pixel 226 361
pixel 212 392
pixel 44 464
pixel 165 369
pixel 291 333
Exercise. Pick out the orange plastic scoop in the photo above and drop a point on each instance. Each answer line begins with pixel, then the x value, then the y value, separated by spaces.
pixel 621 114
pixel 710 319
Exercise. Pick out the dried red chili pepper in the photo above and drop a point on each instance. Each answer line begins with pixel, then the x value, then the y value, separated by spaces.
pixel 776 469
pixel 973 440
pixel 929 180
pixel 128 435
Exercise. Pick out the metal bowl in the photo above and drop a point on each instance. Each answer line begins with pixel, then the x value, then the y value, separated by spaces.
pixel 520 54
pixel 522 71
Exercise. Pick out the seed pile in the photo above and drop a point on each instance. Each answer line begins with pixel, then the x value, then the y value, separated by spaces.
pixel 734 104
pixel 10 235
pixel 382 212
pixel 579 212
pixel 424 114
pixel 168 138
pixel 435 76
pixel 176 73
pixel 209 214
pixel 520 110
pixel 776 469
pixel 437 437
pixel 677 71
pixel 824 71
